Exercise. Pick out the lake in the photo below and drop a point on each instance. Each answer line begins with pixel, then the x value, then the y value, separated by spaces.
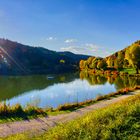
pixel 52 90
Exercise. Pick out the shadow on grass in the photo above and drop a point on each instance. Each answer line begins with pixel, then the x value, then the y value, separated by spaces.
pixel 12 113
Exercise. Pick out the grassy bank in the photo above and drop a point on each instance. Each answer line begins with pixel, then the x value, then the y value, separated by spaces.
pixel 74 106
pixel 17 112
pixel 118 121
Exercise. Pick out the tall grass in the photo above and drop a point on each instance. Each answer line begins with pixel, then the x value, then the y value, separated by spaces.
pixel 18 112
pixel 76 105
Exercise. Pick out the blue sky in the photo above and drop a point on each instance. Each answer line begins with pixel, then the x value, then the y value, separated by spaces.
pixel 95 27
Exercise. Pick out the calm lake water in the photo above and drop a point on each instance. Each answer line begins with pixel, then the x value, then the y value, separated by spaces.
pixel 53 90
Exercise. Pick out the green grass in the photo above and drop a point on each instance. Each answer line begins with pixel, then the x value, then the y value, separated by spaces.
pixel 129 70
pixel 120 121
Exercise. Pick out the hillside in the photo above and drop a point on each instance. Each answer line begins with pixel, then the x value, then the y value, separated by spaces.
pixel 116 61
pixel 16 58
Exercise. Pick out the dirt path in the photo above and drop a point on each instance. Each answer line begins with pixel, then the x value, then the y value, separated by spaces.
pixel 44 123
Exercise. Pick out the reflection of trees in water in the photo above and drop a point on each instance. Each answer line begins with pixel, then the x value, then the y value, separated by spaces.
pixel 93 79
pixel 126 81
pixel 11 86
pixel 96 80
pixel 111 79
pixel 119 81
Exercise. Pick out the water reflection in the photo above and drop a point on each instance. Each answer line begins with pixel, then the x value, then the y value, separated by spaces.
pixel 75 91
pixel 119 81
pixel 67 88
pixel 11 86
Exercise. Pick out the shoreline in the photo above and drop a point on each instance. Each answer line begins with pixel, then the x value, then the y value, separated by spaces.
pixel 17 112
pixel 40 125
pixel 108 72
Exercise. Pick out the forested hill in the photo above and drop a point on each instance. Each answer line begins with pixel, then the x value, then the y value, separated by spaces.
pixel 121 59
pixel 126 58
pixel 115 60
pixel 16 58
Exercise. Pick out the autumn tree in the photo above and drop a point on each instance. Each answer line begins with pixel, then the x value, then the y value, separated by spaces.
pixel 110 62
pixel 89 61
pixel 121 55
pixel 102 64
pixel 83 64
pixel 133 56
pixel 95 62
pixel 125 63
pixel 118 63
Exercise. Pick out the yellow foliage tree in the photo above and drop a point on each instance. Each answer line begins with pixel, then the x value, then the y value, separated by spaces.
pixel 133 56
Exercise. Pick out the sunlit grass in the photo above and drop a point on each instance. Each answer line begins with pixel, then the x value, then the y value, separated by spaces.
pixel 129 70
pixel 118 121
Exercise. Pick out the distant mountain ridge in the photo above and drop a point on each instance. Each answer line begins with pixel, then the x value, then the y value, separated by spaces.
pixel 16 58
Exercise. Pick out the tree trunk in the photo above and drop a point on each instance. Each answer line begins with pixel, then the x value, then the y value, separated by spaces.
pixel 137 71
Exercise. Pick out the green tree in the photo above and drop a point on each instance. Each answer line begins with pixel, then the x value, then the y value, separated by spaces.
pixel 62 61
pixel 133 56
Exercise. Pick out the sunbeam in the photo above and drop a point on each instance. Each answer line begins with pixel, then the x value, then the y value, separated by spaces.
pixel 11 58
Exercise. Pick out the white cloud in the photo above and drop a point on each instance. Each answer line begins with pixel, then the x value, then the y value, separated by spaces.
pixel 51 38
pixel 88 49
pixel 74 49
pixel 92 47
pixel 70 40
pixel 80 50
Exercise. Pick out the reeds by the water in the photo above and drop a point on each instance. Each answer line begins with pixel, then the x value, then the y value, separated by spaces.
pixel 71 106
pixel 17 111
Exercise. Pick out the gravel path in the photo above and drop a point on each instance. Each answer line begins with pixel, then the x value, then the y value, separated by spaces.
pixel 44 123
